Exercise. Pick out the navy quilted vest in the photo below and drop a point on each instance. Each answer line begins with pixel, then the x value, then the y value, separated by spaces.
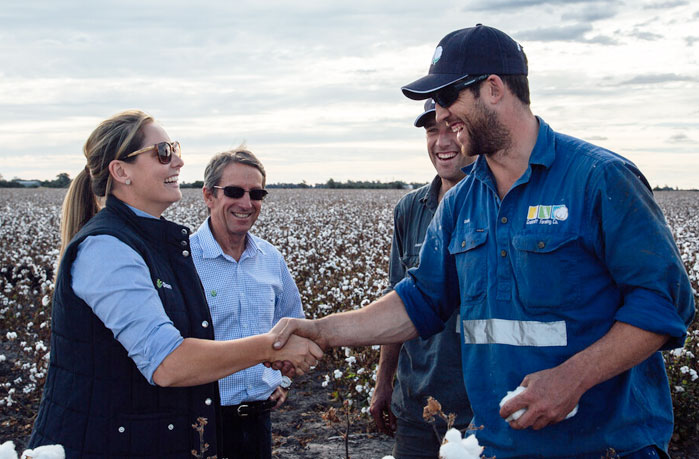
pixel 96 403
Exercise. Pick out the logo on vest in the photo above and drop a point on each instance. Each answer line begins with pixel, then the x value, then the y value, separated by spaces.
pixel 162 284
pixel 547 215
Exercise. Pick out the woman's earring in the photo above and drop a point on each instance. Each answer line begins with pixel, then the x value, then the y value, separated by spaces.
pixel 128 181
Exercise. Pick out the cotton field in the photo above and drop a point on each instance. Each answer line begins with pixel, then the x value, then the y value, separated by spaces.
pixel 336 244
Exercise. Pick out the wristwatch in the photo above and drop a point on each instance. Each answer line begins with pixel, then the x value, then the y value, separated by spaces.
pixel 286 382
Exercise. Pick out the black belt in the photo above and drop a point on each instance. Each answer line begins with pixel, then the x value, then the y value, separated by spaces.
pixel 248 408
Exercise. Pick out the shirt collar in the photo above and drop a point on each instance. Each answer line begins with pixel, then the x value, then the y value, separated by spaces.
pixel 211 248
pixel 140 213
pixel 543 154
pixel 544 151
pixel 431 199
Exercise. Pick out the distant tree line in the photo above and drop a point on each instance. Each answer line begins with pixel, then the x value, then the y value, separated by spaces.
pixel 63 180
pixel 350 184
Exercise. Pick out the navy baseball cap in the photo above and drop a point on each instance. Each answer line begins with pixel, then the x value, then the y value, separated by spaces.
pixel 479 50
pixel 429 110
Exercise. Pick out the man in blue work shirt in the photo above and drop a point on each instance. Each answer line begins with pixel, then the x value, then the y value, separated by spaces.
pixel 568 276
pixel 248 288
pixel 424 367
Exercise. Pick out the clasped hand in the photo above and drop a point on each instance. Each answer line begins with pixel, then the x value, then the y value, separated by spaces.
pixel 289 334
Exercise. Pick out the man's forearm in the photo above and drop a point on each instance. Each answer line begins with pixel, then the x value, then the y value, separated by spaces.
pixel 623 347
pixel 388 363
pixel 384 321
pixel 553 393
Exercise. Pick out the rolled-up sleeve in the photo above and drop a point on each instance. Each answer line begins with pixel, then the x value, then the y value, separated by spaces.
pixel 641 255
pixel 125 300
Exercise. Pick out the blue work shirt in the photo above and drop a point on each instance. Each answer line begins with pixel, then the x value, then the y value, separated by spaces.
pixel 125 299
pixel 246 297
pixel 576 244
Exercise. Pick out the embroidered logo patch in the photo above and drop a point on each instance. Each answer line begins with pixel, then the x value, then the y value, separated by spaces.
pixel 547 215
pixel 437 55
pixel 162 284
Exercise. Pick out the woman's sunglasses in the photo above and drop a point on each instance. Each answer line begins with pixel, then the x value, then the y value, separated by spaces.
pixel 446 96
pixel 165 151
pixel 236 192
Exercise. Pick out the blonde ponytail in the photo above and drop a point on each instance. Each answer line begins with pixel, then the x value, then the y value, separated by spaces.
pixel 113 139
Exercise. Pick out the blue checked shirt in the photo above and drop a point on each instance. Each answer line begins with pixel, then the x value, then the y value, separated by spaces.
pixel 246 298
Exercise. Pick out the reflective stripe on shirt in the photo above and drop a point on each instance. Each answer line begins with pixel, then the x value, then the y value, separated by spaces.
pixel 515 332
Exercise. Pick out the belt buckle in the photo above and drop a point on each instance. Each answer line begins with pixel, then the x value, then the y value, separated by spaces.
pixel 240 413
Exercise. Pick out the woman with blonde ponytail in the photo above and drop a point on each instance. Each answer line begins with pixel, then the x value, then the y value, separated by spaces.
pixel 133 361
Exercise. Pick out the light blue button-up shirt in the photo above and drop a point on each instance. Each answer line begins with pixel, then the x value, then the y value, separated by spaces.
pixel 124 299
pixel 246 297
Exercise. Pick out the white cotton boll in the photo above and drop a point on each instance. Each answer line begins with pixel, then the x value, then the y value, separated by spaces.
pixel 452 436
pixel 337 374
pixel 453 451
pixel 457 448
pixel 388 457
pixel 512 394
pixel 7 450
pixel 517 414
pixel 470 444
pixel 45 452
pixel 45 300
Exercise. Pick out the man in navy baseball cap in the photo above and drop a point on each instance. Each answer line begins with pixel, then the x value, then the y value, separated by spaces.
pixel 566 276
pixel 465 55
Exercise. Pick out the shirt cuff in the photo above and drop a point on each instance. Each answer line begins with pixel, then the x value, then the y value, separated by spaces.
pixel 161 343
pixel 649 311
pixel 426 321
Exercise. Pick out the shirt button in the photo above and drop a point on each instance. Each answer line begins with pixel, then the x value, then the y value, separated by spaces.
pixel 184 231
pixel 503 253
pixel 170 427
pixel 205 324
pixel 184 243
pixel 541 244
pixel 503 219
pixel 121 429
pixel 463 243
pixel 207 401
pixel 185 253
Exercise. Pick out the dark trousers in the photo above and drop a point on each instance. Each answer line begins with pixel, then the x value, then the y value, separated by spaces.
pixel 245 437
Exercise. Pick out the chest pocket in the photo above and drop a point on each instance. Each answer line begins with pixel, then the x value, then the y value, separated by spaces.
pixel 468 248
pixel 545 270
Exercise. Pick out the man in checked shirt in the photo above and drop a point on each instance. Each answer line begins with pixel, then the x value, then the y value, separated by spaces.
pixel 248 288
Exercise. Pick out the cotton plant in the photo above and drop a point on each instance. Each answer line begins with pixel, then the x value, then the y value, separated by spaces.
pixel 455 447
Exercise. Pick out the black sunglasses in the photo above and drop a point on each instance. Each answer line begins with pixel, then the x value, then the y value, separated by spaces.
pixel 446 96
pixel 165 151
pixel 236 192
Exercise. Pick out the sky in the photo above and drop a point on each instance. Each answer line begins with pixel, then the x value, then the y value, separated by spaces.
pixel 313 87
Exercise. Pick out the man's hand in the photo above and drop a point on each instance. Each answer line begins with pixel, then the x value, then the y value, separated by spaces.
pixel 279 395
pixel 550 396
pixel 380 408
pixel 300 352
pixel 301 327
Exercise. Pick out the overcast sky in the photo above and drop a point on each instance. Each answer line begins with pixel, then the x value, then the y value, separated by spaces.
pixel 313 87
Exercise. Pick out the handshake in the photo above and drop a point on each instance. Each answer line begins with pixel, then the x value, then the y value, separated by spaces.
pixel 297 346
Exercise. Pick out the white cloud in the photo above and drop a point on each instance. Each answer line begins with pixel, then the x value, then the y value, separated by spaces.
pixel 313 87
